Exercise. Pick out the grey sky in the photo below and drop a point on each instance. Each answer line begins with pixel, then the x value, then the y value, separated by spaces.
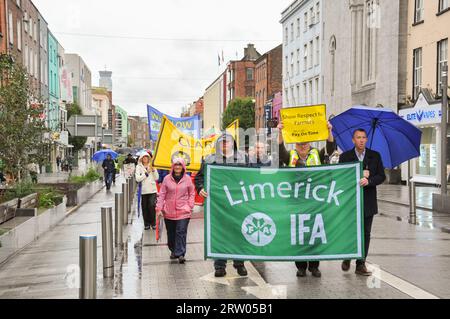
pixel 151 67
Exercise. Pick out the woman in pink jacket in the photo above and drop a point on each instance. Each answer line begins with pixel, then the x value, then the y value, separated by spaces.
pixel 176 203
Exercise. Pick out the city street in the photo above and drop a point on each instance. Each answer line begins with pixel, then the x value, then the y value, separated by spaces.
pixel 408 262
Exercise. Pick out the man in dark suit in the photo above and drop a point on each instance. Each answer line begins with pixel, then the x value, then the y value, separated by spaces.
pixel 373 176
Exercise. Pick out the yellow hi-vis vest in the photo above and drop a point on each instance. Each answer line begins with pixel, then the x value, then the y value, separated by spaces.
pixel 312 160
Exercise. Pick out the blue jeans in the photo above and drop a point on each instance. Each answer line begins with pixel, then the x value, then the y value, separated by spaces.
pixel 108 179
pixel 176 236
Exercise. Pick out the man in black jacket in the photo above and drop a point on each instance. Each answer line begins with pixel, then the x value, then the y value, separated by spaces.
pixel 373 176
pixel 227 153
pixel 109 167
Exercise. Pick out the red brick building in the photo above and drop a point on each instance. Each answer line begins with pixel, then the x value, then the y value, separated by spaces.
pixel 3 33
pixel 13 31
pixel 241 75
pixel 268 78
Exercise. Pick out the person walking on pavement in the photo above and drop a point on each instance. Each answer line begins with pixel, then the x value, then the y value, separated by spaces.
pixel 58 163
pixel 129 166
pixel 374 175
pixel 227 153
pixel 147 176
pixel 108 168
pixel 176 203
pixel 304 155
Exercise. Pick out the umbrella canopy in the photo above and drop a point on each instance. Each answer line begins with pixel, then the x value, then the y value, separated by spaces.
pixel 100 156
pixel 394 138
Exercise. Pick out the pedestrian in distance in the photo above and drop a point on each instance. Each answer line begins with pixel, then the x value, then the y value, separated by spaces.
pixel 108 169
pixel 304 155
pixel 58 163
pixel 33 168
pixel 129 166
pixel 374 175
pixel 176 203
pixel 147 176
pixel 227 153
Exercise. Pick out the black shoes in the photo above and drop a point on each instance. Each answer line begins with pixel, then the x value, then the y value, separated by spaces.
pixel 315 273
pixel 220 273
pixel 147 227
pixel 301 273
pixel 181 260
pixel 346 265
pixel 154 227
pixel 173 257
pixel 242 271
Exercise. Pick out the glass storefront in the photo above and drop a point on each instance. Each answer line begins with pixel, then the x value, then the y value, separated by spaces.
pixel 426 164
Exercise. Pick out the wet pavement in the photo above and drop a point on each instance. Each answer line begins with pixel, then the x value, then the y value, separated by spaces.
pixel 413 263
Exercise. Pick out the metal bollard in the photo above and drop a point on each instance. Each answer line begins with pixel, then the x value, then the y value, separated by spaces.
pixel 119 219
pixel 125 203
pixel 130 196
pixel 88 267
pixel 131 193
pixel 412 203
pixel 107 243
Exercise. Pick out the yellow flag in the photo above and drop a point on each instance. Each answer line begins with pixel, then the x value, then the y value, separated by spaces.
pixel 304 124
pixel 173 143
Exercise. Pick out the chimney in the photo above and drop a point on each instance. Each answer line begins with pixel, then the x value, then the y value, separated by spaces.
pixel 250 53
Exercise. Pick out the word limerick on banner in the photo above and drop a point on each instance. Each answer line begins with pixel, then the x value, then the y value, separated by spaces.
pixel 302 214
pixel 304 124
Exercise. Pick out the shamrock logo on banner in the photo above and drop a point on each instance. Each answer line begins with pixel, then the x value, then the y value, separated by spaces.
pixel 259 229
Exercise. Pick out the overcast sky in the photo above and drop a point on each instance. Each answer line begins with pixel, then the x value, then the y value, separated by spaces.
pixel 163 53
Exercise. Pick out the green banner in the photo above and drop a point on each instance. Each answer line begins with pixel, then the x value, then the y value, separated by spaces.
pixel 297 214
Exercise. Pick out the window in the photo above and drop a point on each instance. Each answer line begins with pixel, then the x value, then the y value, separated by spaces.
pixel 31 27
pixel 298 27
pixel 317 59
pixel 310 98
pixel 317 90
pixel 19 35
pixel 250 74
pixel 41 42
pixel 444 5
pixel 286 36
pixel 36 65
pixel 312 17
pixel 287 66
pixel 418 16
pixel 417 74
pixel 442 59
pixel 305 22
pixel 292 31
pixel 31 69
pixel 298 61
pixel 10 27
pixel 333 63
pixel 370 41
pixel 305 93
pixel 298 93
pixel 305 57
pixel 311 54
pixel 317 12
pixel 292 63
pixel 35 32
pixel 293 96
pixel 25 57
pixel 42 71
pixel 25 18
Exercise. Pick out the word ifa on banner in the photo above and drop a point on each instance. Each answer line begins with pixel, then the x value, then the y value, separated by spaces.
pixel 188 125
pixel 172 143
pixel 298 214
pixel 305 124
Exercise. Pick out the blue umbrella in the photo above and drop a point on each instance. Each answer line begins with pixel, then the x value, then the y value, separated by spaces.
pixel 100 156
pixel 394 138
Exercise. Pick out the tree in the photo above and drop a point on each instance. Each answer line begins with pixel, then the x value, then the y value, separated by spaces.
pixel 78 142
pixel 242 109
pixel 22 119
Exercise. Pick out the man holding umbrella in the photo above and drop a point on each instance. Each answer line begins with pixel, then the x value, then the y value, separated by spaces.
pixel 373 176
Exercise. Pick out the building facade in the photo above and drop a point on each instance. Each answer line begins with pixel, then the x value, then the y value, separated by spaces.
pixel 214 103
pixel 43 58
pixel 269 81
pixel 427 52
pixel 81 82
pixel 364 60
pixel 302 46
pixel 121 127
pixel 101 104
pixel 30 45
pixel 13 34
pixel 53 112
pixel 240 76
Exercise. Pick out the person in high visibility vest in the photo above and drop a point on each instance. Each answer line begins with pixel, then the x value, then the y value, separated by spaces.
pixel 305 155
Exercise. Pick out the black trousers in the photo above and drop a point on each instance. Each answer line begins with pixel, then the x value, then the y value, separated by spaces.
pixel 177 236
pixel 307 265
pixel 149 209
pixel 368 222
